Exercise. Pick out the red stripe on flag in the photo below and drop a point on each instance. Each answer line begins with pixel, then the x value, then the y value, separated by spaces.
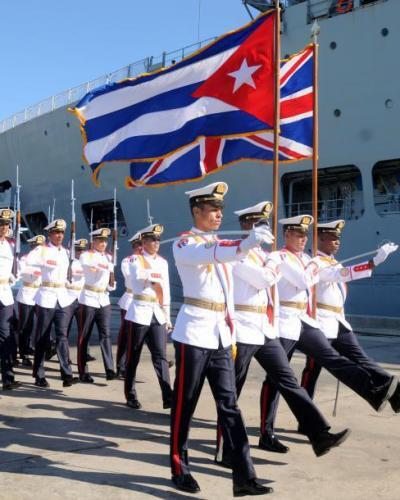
pixel 212 146
pixel 295 66
pixel 297 105
pixel 270 144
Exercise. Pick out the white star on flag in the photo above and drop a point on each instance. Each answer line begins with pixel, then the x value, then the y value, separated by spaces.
pixel 243 75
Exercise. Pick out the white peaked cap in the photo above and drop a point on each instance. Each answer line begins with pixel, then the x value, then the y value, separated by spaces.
pixel 56 225
pixel 260 211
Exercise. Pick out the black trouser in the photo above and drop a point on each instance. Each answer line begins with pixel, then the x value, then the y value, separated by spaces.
pixel 347 345
pixel 26 319
pixel 122 342
pixel 88 316
pixel 155 337
pixel 273 359
pixel 45 319
pixel 6 342
pixel 193 365
pixel 314 343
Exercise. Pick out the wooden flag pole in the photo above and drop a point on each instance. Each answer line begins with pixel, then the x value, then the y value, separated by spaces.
pixel 277 98
pixel 315 31
pixel 277 110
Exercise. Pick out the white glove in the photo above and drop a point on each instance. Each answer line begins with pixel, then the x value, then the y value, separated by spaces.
pixel 256 236
pixel 112 288
pixel 383 252
pixel 12 279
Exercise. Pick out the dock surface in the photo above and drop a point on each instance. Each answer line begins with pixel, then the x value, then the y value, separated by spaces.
pixel 84 442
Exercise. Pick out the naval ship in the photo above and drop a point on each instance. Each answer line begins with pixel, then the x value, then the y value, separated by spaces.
pixel 359 176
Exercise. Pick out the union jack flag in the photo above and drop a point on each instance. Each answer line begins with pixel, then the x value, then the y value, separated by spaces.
pixel 210 154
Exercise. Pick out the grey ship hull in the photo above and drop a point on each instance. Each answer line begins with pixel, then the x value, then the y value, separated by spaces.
pixel 357 78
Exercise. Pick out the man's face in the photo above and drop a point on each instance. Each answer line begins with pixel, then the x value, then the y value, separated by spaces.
pixel 328 243
pixel 151 244
pixel 56 237
pixel 100 244
pixel 4 229
pixel 207 217
pixel 295 240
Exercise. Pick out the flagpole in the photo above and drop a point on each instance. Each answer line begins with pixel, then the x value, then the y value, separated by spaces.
pixel 275 172
pixel 315 31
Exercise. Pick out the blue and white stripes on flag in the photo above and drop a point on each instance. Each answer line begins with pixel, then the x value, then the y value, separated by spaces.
pixel 223 90
pixel 209 155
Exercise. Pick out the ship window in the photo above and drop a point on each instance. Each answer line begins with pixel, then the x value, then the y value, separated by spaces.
pixel 103 215
pixel 339 193
pixel 36 222
pixel 386 181
pixel 333 45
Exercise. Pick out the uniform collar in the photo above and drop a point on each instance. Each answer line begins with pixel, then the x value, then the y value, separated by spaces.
pixel 149 256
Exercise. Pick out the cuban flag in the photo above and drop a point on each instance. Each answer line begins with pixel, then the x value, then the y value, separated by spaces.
pixel 224 89
pixel 209 154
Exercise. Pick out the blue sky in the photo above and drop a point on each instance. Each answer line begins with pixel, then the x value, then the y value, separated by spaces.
pixel 48 46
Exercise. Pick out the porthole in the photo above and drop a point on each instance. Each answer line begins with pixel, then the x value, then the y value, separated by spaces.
pixel 389 103
pixel 333 45
pixel 337 112
pixel 384 32
pixel 45 132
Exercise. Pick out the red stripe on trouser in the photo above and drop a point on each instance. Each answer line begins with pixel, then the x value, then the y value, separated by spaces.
pixel 176 460
pixel 219 437
pixel 264 404
pixel 128 360
pixel 81 364
pixel 307 372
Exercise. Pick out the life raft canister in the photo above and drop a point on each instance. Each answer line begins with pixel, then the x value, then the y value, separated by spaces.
pixel 344 6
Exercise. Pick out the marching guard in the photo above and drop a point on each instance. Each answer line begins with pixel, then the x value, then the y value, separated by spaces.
pixel 148 315
pixel 297 328
pixel 331 293
pixel 203 337
pixel 31 279
pixel 77 282
pixel 256 336
pixel 95 306
pixel 124 303
pixel 6 300
pixel 53 303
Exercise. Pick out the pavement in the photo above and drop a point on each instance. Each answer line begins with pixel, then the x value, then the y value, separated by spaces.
pixel 84 442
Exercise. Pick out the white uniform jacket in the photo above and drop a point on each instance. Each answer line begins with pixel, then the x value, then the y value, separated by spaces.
pixel 143 270
pixel 77 280
pixel 126 299
pixel 53 263
pixel 252 278
pixel 6 264
pixel 202 263
pixel 332 291
pixel 299 274
pixel 97 267
pixel 31 278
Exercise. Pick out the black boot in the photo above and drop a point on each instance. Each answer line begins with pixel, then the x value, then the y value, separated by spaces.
pixel 134 404
pixel 41 382
pixel 68 381
pixel 86 379
pixel 270 442
pixel 395 400
pixel 186 482
pixel 379 400
pixel 250 487
pixel 326 440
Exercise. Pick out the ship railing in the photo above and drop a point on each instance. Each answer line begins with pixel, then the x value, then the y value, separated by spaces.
pixel 387 204
pixel 329 8
pixel 74 94
pixel 338 208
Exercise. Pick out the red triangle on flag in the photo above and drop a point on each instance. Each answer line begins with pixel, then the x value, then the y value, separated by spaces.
pixel 246 79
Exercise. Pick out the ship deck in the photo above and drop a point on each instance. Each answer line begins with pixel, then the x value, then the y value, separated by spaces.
pixel 83 442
